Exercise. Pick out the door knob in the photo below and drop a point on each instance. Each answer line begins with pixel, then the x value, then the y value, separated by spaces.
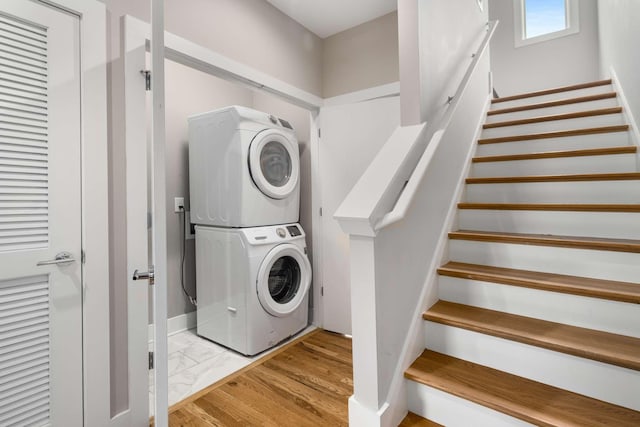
pixel 144 275
pixel 63 258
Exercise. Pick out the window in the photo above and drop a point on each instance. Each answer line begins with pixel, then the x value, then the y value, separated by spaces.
pixel 541 20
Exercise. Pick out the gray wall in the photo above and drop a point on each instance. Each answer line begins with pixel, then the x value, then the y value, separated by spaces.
pixel 558 62
pixel 361 57
pixel 249 31
pixel 188 92
pixel 619 36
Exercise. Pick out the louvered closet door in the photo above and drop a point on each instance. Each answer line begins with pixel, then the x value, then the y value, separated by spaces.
pixel 40 216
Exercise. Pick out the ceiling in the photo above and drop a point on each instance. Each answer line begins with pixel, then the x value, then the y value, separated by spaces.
pixel 328 17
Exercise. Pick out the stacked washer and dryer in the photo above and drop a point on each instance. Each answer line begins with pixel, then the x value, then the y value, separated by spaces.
pixel 252 271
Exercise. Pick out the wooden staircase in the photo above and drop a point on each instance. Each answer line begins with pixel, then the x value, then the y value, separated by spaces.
pixel 538 318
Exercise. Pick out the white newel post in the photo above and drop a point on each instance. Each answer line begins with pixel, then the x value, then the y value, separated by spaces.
pixel 366 404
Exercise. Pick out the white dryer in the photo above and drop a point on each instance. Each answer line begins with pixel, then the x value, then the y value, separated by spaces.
pixel 244 169
pixel 252 285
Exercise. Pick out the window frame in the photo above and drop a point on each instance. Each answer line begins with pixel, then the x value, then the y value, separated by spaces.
pixel 573 24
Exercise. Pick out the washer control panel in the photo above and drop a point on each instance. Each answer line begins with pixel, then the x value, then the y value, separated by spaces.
pixel 273 234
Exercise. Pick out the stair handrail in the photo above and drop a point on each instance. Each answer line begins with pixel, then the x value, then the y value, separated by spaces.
pixel 408 192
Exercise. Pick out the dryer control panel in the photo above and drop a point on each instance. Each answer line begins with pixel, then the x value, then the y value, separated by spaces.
pixel 273 234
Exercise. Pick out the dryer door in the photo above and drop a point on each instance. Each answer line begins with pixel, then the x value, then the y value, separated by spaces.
pixel 274 163
pixel 283 280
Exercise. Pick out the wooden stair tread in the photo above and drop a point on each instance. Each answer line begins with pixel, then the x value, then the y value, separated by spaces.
pixel 519 397
pixel 596 243
pixel 584 286
pixel 627 149
pixel 602 346
pixel 552 91
pixel 555 134
pixel 413 420
pixel 627 176
pixel 555 207
pixel 554 117
pixel 558 103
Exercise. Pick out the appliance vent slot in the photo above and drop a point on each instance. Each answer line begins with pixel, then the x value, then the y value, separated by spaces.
pixel 24 136
pixel 24 352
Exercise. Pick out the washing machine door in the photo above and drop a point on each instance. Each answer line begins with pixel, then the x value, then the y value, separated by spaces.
pixel 274 163
pixel 283 280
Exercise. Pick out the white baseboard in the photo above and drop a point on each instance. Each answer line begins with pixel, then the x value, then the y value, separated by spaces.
pixel 177 324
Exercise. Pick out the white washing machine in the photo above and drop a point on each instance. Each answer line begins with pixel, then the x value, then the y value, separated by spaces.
pixel 244 169
pixel 252 285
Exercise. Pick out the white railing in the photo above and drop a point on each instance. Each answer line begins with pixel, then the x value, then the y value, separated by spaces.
pixel 437 130
pixel 396 216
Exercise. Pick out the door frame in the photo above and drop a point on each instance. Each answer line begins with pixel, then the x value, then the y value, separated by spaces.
pixel 180 50
pixel 95 205
pixel 137 42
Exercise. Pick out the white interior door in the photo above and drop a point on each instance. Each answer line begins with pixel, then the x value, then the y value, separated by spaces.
pixel 352 135
pixel 40 216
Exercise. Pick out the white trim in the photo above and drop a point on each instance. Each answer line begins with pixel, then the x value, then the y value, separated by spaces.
pixel 95 201
pixel 159 217
pixel 201 58
pixel 626 110
pixel 573 24
pixel 136 153
pixel 383 91
pixel 177 324
pixel 317 305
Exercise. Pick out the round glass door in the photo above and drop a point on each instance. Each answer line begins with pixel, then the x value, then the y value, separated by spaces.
pixel 274 163
pixel 283 280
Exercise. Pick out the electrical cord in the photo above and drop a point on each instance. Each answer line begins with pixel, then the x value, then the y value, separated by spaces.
pixel 183 253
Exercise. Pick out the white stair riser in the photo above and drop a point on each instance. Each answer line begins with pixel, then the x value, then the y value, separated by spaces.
pixel 614 225
pixel 608 265
pixel 613 384
pixel 553 97
pixel 612 163
pixel 561 109
pixel 554 125
pixel 452 411
pixel 585 312
pixel 555 192
pixel 580 142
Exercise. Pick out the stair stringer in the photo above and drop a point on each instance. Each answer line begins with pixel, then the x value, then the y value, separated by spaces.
pixel 415 338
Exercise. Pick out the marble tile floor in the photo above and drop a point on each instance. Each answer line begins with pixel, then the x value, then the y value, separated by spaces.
pixel 196 363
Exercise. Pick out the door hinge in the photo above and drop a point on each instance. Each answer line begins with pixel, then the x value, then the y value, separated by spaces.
pixel 320 211
pixel 150 360
pixel 147 79
pixel 319 133
pixel 321 291
pixel 83 256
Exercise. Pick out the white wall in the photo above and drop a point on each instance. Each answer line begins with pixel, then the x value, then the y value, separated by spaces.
pixel 435 54
pixel 450 31
pixel 619 23
pixel 558 62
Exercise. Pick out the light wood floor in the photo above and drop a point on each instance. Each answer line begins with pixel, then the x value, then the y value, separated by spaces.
pixel 306 383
